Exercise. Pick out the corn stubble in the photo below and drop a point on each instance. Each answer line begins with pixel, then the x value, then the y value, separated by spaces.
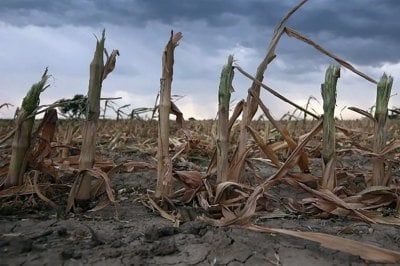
pixel 81 190
pixel 328 91
pixel 164 165
pixel 223 193
pixel 224 97
pixel 23 133
pixel 380 176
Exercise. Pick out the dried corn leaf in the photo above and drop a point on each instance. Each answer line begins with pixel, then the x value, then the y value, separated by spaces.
pixel 295 155
pixel 225 185
pixel 103 203
pixel 264 147
pixel 103 185
pixel 279 145
pixel 191 179
pixel 292 33
pixel 110 63
pixel 242 215
pixel 166 215
pixel 379 218
pixel 39 193
pixel 235 166
pixel 303 158
pixel 28 189
pixel 45 133
pixel 179 116
pixel 365 251
pixel 327 195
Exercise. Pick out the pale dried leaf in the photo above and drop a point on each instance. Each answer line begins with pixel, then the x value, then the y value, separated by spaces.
pixel 365 251
pixel 163 213
pixel 39 193
pixel 110 63
pixel 191 179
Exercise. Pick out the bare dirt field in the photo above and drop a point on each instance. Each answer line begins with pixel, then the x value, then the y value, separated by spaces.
pixel 131 234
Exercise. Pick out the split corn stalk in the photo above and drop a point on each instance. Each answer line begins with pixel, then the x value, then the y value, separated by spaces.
pixel 88 150
pixel 164 164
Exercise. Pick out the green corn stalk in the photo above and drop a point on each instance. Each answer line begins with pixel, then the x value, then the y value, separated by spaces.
pixel 384 89
pixel 22 138
pixel 224 96
pixel 328 91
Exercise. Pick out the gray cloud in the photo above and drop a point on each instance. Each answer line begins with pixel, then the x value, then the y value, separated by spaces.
pixel 55 13
pixel 364 32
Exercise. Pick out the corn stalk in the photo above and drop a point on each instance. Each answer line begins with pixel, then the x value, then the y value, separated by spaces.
pixel 164 165
pixel 252 106
pixel 98 72
pixel 224 96
pixel 328 91
pixel 22 137
pixel 384 89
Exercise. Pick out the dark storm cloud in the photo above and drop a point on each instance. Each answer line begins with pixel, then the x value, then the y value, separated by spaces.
pixel 363 31
pixel 217 13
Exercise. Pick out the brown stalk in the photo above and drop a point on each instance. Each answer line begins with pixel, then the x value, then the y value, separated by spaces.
pixel 178 114
pixel 267 150
pixel 255 88
pixel 275 93
pixel 303 162
pixel 88 149
pixel 248 210
pixel 292 33
pixel 164 163
pixel 98 72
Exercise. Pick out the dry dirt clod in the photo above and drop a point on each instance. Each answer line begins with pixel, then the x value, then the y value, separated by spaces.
pixel 154 233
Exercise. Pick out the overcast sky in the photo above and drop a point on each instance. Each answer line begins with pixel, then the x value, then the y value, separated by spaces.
pixel 60 34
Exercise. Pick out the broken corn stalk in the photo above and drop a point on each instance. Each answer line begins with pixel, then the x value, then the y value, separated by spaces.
pixel 164 166
pixel 22 138
pixel 224 97
pixel 384 89
pixel 88 150
pixel 328 91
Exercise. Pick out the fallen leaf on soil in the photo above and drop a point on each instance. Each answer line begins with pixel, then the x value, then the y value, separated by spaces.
pixel 163 213
pixel 103 184
pixel 28 189
pixel 365 251
pixel 241 216
pixel 39 193
pixel 224 185
pixel 191 179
